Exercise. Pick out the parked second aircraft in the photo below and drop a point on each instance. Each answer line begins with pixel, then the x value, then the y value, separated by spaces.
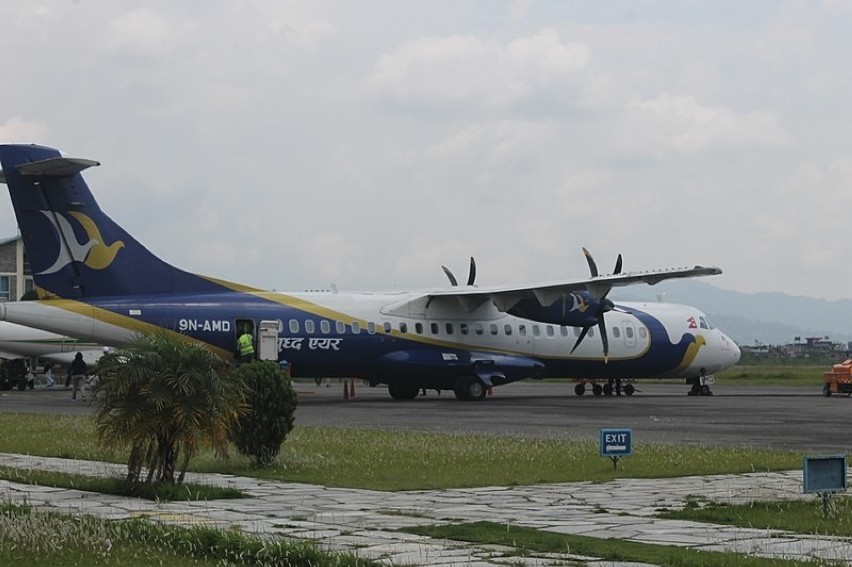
pixel 96 282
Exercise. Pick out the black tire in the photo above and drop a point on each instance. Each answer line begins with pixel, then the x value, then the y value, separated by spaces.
pixel 607 389
pixel 470 389
pixel 22 385
pixel 403 391
pixel 597 389
pixel 826 390
pixel 705 391
pixel 629 389
pixel 580 389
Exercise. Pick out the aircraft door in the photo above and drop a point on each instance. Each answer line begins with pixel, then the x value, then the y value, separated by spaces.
pixel 267 340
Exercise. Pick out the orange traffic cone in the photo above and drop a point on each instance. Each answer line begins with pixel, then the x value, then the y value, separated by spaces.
pixel 352 388
pixel 345 390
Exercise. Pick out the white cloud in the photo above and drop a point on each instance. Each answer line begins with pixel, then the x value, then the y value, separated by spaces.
pixel 472 70
pixel 671 125
pixel 20 131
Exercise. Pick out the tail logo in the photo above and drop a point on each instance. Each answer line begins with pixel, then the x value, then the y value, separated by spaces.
pixel 94 253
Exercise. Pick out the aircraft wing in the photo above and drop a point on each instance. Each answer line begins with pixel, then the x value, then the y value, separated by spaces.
pixel 506 297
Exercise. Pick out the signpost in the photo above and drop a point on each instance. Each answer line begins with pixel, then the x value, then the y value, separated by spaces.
pixel 616 443
pixel 824 475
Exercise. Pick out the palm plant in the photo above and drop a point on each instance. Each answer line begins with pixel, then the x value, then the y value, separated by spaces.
pixel 164 397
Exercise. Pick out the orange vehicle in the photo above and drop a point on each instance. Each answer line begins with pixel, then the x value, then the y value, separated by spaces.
pixel 838 380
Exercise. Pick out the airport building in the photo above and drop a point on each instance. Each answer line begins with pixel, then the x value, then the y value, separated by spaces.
pixel 15 276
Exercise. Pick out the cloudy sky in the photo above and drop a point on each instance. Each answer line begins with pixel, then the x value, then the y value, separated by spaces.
pixel 291 145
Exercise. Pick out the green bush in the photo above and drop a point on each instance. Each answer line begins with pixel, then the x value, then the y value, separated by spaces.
pixel 272 403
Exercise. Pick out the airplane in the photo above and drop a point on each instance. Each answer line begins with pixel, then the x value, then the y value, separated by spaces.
pixel 17 341
pixel 96 282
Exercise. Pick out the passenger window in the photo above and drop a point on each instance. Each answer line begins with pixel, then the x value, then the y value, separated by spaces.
pixel 325 327
pixel 616 332
pixel 493 328
pixel 356 327
pixel 577 331
pixel 309 327
pixel 522 330
pixel 371 328
pixel 628 331
pixel 478 329
pixel 294 326
pixel 549 330
pixel 508 330
pixel 563 330
pixel 403 328
pixel 418 328
pixel 536 330
pixel 643 332
pixel 340 326
pixel 463 328
pixel 387 327
pixel 434 328
pixel 449 327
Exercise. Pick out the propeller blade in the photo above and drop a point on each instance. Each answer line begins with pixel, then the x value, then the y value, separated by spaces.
pixel 450 275
pixel 617 269
pixel 593 268
pixel 580 339
pixel 471 276
pixel 604 339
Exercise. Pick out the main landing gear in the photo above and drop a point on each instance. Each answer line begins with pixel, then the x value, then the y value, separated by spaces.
pixel 612 386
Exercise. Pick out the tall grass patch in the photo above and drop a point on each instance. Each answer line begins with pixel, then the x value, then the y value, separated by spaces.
pixel 405 460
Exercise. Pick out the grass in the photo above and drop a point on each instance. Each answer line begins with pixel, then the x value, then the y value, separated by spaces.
pixel 774 375
pixel 800 516
pixel 530 541
pixel 117 486
pixel 392 460
pixel 29 536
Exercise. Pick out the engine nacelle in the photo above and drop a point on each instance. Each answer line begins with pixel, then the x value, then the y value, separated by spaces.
pixel 572 310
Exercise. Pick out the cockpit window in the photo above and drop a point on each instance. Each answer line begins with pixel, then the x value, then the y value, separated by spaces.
pixel 702 322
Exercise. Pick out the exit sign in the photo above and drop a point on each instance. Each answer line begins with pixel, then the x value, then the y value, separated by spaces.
pixel 616 442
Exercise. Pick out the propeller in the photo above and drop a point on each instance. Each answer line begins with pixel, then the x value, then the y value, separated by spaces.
pixel 471 276
pixel 604 304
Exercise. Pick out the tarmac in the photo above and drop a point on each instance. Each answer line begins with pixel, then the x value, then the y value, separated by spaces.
pixel 365 521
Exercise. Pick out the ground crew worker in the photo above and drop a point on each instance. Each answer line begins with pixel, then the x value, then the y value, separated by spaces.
pixel 246 345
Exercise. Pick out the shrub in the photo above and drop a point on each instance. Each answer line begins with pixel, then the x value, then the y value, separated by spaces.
pixel 272 403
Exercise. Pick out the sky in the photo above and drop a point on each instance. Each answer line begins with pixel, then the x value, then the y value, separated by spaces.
pixel 293 145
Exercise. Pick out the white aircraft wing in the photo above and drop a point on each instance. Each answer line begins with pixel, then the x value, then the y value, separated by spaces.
pixel 505 297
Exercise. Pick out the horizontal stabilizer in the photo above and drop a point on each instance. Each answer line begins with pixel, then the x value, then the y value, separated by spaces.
pixel 56 167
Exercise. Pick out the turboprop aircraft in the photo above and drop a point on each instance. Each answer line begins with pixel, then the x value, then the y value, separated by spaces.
pixel 96 282
pixel 17 341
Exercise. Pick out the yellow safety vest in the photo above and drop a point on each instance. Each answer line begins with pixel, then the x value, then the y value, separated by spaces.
pixel 245 343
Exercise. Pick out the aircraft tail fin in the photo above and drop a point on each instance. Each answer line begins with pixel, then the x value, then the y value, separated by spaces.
pixel 74 249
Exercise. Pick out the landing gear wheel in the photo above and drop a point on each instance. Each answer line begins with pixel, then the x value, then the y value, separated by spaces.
pixel 826 390
pixel 705 391
pixel 470 389
pixel 629 389
pixel 403 391
pixel 607 389
pixel 580 389
pixel 597 389
pixel 695 390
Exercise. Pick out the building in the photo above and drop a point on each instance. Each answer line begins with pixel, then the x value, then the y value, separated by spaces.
pixel 15 276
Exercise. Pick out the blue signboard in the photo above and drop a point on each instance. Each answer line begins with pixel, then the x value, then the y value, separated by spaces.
pixel 824 474
pixel 616 442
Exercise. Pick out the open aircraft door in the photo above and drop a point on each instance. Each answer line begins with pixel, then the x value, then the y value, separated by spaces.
pixel 267 340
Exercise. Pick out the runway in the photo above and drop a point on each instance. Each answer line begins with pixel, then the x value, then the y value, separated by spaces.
pixel 799 419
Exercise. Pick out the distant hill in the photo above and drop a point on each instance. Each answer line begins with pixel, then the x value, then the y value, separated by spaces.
pixel 770 318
